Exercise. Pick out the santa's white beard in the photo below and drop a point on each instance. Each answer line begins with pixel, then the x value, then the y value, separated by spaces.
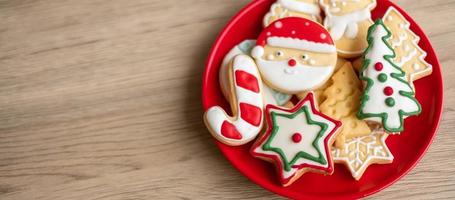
pixel 292 80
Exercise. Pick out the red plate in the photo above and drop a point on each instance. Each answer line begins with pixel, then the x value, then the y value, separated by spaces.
pixel 407 148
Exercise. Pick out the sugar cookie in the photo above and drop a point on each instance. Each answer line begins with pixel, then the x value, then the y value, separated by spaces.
pixel 348 22
pixel 271 96
pixel 341 102
pixel 308 9
pixel 297 140
pixel 246 103
pixel 409 56
pixel 318 93
pixel 295 55
pixel 358 153
pixel 388 98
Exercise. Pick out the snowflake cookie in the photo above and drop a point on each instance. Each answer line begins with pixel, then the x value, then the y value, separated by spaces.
pixel 360 152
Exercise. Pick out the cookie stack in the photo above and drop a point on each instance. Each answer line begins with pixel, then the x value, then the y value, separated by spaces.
pixel 321 84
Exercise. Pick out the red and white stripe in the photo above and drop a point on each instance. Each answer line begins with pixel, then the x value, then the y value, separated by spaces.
pixel 247 123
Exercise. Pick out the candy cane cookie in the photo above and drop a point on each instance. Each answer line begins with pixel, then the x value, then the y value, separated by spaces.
pixel 246 103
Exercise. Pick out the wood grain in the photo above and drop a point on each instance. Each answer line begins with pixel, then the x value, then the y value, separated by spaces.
pixel 101 100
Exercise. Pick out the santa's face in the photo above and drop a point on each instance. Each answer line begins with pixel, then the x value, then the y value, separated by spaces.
pixel 293 71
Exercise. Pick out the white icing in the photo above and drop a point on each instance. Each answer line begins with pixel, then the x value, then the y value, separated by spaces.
pixel 283 139
pixel 376 102
pixel 215 116
pixel 415 66
pixel 237 50
pixel 302 7
pixel 291 5
pixel 278 25
pixel 367 144
pixel 401 39
pixel 270 96
pixel 257 51
pixel 427 67
pixel 345 24
pixel 323 36
pixel 312 62
pixel 406 48
pixel 287 42
pixel 407 58
pixel 303 78
pixel 305 57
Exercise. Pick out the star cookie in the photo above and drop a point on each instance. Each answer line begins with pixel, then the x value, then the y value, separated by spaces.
pixel 297 140
pixel 360 152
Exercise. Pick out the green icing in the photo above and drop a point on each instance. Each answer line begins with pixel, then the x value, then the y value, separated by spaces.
pixel 382 77
pixel 246 46
pixel 279 97
pixel 390 101
pixel 398 76
pixel 275 127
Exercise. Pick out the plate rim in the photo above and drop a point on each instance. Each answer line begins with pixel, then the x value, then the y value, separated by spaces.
pixel 386 182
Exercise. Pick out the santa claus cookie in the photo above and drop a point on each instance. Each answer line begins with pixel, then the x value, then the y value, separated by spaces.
pixel 246 104
pixel 271 96
pixel 297 140
pixel 295 55
pixel 308 9
pixel 348 22
pixel 388 98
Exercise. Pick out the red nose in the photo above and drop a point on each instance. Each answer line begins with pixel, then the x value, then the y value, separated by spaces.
pixel 292 62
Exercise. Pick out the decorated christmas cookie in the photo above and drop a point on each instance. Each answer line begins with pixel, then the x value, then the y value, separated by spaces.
pixel 342 103
pixel 319 92
pixel 295 55
pixel 360 152
pixel 308 9
pixel 246 103
pixel 297 140
pixel 388 98
pixel 409 56
pixel 271 96
pixel 348 22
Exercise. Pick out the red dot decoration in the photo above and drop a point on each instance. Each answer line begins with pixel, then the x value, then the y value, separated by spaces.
pixel 378 66
pixel 388 91
pixel 292 62
pixel 296 137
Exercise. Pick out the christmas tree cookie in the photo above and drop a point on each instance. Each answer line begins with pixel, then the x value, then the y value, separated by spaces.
pixel 341 102
pixel 388 98
pixel 409 56
pixel 297 140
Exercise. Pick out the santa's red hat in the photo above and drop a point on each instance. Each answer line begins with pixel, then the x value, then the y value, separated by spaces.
pixel 295 33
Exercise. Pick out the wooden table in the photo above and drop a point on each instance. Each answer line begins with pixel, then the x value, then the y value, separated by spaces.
pixel 101 100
